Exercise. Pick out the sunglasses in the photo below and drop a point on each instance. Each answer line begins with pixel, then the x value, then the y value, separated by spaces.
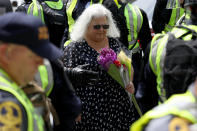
pixel 97 27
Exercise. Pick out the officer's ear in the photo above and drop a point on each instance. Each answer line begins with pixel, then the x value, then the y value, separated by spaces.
pixel 9 51
pixel 5 50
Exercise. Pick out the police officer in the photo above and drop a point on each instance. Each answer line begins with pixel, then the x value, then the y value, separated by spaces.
pixel 52 13
pixel 178 113
pixel 135 35
pixel 155 56
pixel 164 18
pixel 155 67
pixel 137 30
pixel 23 43
pixel 183 32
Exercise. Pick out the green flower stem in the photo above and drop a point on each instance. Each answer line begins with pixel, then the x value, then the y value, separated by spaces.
pixel 136 105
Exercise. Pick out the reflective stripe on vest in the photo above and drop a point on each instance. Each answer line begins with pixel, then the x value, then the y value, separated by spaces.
pixel 44 77
pixel 134 21
pixel 67 42
pixel 35 122
pixel 117 4
pixel 178 32
pixel 55 5
pixel 69 12
pixel 153 52
pixel 156 60
pixel 176 105
pixel 175 15
pixel 36 10
pixel 158 52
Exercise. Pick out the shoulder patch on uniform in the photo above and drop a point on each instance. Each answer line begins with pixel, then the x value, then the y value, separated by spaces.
pixel 178 124
pixel 10 116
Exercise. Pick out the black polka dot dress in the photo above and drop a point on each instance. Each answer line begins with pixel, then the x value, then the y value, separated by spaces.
pixel 105 104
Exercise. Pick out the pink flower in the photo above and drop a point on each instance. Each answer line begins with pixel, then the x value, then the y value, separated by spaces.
pixel 106 57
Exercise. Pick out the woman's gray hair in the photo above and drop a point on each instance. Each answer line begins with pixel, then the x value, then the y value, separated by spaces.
pixel 93 11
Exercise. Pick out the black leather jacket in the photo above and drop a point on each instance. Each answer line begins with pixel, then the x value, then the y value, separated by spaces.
pixel 56 20
pixel 161 16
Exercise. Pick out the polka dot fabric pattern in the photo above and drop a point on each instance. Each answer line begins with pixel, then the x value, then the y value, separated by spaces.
pixel 105 104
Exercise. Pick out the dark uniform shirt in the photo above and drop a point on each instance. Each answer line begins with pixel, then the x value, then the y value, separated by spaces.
pixel 64 99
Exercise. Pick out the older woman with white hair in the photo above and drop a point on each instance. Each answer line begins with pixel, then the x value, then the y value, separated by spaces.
pixel 106 105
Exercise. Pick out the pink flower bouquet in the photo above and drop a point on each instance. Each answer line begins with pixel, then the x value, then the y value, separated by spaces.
pixel 119 68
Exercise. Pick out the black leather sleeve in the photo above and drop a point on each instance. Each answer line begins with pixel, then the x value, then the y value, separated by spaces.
pixel 64 99
pixel 161 16
pixel 145 33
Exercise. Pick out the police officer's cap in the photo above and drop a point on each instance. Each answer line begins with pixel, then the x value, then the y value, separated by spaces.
pixel 27 30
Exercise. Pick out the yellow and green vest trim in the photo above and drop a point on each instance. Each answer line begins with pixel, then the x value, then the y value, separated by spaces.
pixel 177 13
pixel 36 9
pixel 35 122
pixel 157 54
pixel 134 20
pixel 44 77
pixel 170 107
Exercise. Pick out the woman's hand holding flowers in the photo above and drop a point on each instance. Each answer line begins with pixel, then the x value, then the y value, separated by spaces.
pixel 130 88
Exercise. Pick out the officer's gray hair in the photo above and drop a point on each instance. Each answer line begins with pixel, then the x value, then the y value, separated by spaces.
pixel 93 11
